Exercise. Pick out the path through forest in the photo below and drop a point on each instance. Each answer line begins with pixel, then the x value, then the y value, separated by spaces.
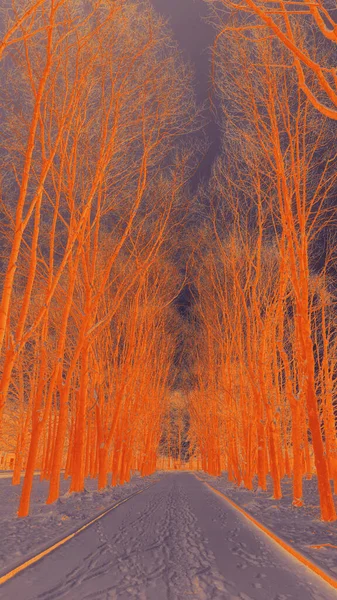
pixel 176 540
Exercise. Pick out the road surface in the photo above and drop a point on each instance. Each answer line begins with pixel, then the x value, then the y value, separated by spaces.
pixel 175 541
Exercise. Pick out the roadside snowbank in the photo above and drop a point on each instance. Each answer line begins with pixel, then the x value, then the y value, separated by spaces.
pixel 22 539
pixel 299 527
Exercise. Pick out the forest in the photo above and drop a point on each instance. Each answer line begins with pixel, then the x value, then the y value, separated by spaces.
pixel 148 322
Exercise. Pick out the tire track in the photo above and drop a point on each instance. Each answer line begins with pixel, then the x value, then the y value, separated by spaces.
pixel 174 541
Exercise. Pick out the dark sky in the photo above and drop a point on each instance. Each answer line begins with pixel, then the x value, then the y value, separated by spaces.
pixel 195 37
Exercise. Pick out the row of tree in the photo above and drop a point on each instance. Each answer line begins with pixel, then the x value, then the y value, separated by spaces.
pixel 265 314
pixel 96 104
pixel 98 112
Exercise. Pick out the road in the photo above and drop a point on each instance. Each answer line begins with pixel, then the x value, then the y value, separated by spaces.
pixel 176 540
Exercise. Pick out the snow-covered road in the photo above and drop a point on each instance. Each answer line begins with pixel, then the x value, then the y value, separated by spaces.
pixel 175 541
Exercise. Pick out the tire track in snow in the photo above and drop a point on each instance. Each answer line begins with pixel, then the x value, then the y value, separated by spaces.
pixel 156 552
pixel 161 547
pixel 254 566
pixel 175 541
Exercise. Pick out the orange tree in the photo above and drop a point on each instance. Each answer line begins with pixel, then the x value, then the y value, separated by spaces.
pixel 277 186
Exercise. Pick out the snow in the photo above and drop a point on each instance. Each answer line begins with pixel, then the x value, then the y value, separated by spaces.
pixel 174 541
pixel 300 527
pixel 23 538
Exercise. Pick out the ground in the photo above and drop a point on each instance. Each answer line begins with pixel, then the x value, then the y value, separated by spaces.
pixel 301 527
pixel 175 540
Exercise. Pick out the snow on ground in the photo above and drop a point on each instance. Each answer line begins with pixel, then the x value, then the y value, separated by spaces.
pixel 23 538
pixel 177 540
pixel 300 527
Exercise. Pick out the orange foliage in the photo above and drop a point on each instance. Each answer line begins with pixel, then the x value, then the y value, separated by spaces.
pixel 85 337
pixel 96 103
pixel 265 322
pixel 283 20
